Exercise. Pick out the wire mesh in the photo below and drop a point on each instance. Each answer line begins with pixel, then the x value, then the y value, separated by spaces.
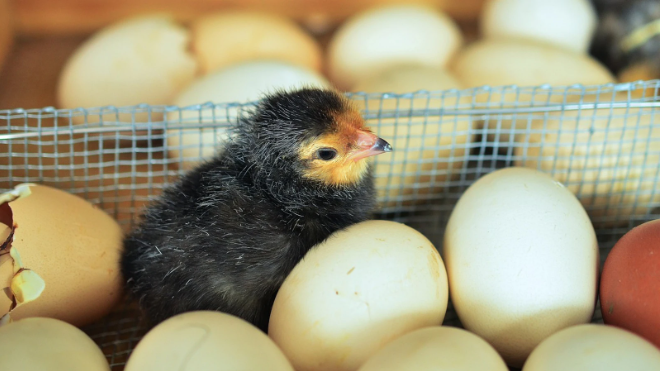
pixel 602 142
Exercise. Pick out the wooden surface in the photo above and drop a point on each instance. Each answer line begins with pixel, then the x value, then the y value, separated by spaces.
pixel 66 17
pixel 6 30
pixel 29 76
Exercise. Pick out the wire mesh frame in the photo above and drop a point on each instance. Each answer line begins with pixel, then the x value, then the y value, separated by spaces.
pixel 602 142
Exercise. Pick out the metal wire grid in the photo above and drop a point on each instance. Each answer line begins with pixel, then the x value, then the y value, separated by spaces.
pixel 602 142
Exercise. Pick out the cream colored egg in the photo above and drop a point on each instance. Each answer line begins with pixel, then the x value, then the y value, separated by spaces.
pixel 241 83
pixel 45 344
pixel 567 24
pixel 522 260
pixel 353 293
pixel 407 79
pixel 226 38
pixel 383 37
pixel 206 341
pixel 436 349
pixel 504 62
pixel 498 62
pixel 607 157
pixel 139 60
pixel 64 256
pixel 430 148
pixel 593 347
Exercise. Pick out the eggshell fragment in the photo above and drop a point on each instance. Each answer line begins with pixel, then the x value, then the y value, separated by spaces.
pixel 593 347
pixel 361 288
pixel 69 244
pixel 386 36
pixel 430 149
pixel 567 24
pixel 230 37
pixel 206 341
pixel 629 287
pixel 436 349
pixel 522 260
pixel 241 83
pixel 46 344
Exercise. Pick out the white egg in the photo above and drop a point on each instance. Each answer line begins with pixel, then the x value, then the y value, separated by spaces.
pixel 522 260
pixel 594 347
pixel 567 24
pixel 353 293
pixel 499 62
pixel 139 60
pixel 206 341
pixel 240 83
pixel 503 62
pixel 383 37
pixel 437 348
pixel 46 344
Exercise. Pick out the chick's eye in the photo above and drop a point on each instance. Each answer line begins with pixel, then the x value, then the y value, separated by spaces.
pixel 326 154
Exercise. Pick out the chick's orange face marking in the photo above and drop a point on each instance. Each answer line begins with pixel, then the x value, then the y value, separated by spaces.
pixel 330 156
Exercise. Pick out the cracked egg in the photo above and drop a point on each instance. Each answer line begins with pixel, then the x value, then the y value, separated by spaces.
pixel 59 256
pixel 356 291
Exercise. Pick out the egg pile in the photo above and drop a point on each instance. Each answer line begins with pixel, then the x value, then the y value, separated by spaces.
pixel 519 261
pixel 237 56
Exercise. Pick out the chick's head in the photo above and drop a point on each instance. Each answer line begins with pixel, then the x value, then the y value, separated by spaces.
pixel 318 133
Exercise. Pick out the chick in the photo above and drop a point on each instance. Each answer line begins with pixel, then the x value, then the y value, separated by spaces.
pixel 228 233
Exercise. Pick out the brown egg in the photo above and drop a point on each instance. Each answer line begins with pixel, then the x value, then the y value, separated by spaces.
pixel 629 287
pixel 64 256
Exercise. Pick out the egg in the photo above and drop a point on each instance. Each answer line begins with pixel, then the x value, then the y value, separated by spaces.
pixel 499 63
pixel 406 79
pixel 206 341
pixel 137 60
pixel 46 344
pixel 629 287
pixel 380 38
pixel 522 260
pixel 593 347
pixel 64 256
pixel 356 291
pixel 433 148
pixel 222 39
pixel 607 157
pixel 240 83
pixel 436 349
pixel 567 24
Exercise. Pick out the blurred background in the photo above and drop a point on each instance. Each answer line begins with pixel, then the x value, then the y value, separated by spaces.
pixel 39 37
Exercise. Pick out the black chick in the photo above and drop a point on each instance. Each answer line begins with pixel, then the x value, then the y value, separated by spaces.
pixel 228 233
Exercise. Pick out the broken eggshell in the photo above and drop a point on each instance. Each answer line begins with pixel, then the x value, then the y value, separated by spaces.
pixel 60 258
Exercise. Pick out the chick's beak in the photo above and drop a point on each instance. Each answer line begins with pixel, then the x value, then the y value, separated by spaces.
pixel 369 145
